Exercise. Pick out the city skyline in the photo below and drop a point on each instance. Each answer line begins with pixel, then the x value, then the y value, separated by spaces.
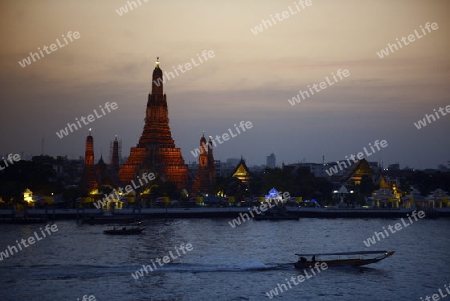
pixel 100 57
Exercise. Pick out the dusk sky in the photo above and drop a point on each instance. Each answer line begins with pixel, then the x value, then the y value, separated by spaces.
pixel 250 78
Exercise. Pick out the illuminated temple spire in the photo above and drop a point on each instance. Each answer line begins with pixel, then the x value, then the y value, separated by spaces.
pixel 88 181
pixel 206 174
pixel 157 80
pixel 156 151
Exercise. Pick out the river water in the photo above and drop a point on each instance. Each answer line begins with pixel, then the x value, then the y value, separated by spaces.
pixel 225 263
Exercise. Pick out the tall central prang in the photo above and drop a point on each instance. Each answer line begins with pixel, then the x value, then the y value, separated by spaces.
pixel 156 151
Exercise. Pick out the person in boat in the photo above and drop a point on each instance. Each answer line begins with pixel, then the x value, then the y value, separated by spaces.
pixel 313 258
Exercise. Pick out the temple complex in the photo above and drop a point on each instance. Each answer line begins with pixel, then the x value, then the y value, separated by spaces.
pixel 100 174
pixel 206 176
pixel 156 151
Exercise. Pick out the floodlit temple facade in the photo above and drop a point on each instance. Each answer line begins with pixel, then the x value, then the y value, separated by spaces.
pixel 101 174
pixel 156 151
pixel 242 172
pixel 354 174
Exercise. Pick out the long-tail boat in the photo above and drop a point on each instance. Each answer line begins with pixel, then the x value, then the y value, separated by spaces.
pixel 342 258
pixel 125 229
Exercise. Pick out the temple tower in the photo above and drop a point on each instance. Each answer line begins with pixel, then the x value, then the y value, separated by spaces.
pixel 156 151
pixel 203 158
pixel 115 155
pixel 211 165
pixel 206 175
pixel 89 180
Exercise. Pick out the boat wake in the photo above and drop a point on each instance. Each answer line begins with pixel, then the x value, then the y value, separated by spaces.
pixel 232 267
pixel 57 272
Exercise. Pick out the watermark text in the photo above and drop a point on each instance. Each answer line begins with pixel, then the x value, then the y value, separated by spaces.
pixel 318 266
pixel 423 122
pixel 87 298
pixel 243 217
pixel 243 125
pixel 411 38
pixel 35 55
pixel 131 4
pixel 318 87
pixel 371 240
pixel 86 120
pixel 265 24
pixel 165 259
pixel 360 156
pixel 147 177
pixel 11 250
pixel 436 297
pixel 168 75
pixel 11 158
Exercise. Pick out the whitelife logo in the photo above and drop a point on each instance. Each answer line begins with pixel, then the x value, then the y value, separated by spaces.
pixel 318 87
pixel 243 217
pixel 371 240
pixel 166 259
pixel 27 61
pixel 124 9
pixel 360 155
pixel 86 120
pixel 423 122
pixel 11 158
pixel 300 278
pixel 168 75
pixel 411 38
pixel 436 297
pixel 280 17
pixel 114 195
pixel 243 125
pixel 11 250
pixel 87 298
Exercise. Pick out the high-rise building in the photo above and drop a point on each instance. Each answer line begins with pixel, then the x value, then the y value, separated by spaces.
pixel 156 151
pixel 271 161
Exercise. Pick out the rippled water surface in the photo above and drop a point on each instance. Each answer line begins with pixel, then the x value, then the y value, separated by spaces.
pixel 225 263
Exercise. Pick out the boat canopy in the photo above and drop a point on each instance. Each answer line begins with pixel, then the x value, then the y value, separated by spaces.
pixel 344 253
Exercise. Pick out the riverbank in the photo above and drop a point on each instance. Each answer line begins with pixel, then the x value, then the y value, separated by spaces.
pixel 49 214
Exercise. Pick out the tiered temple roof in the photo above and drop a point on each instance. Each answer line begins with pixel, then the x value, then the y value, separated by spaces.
pixel 242 172
pixel 156 151
pixel 354 174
